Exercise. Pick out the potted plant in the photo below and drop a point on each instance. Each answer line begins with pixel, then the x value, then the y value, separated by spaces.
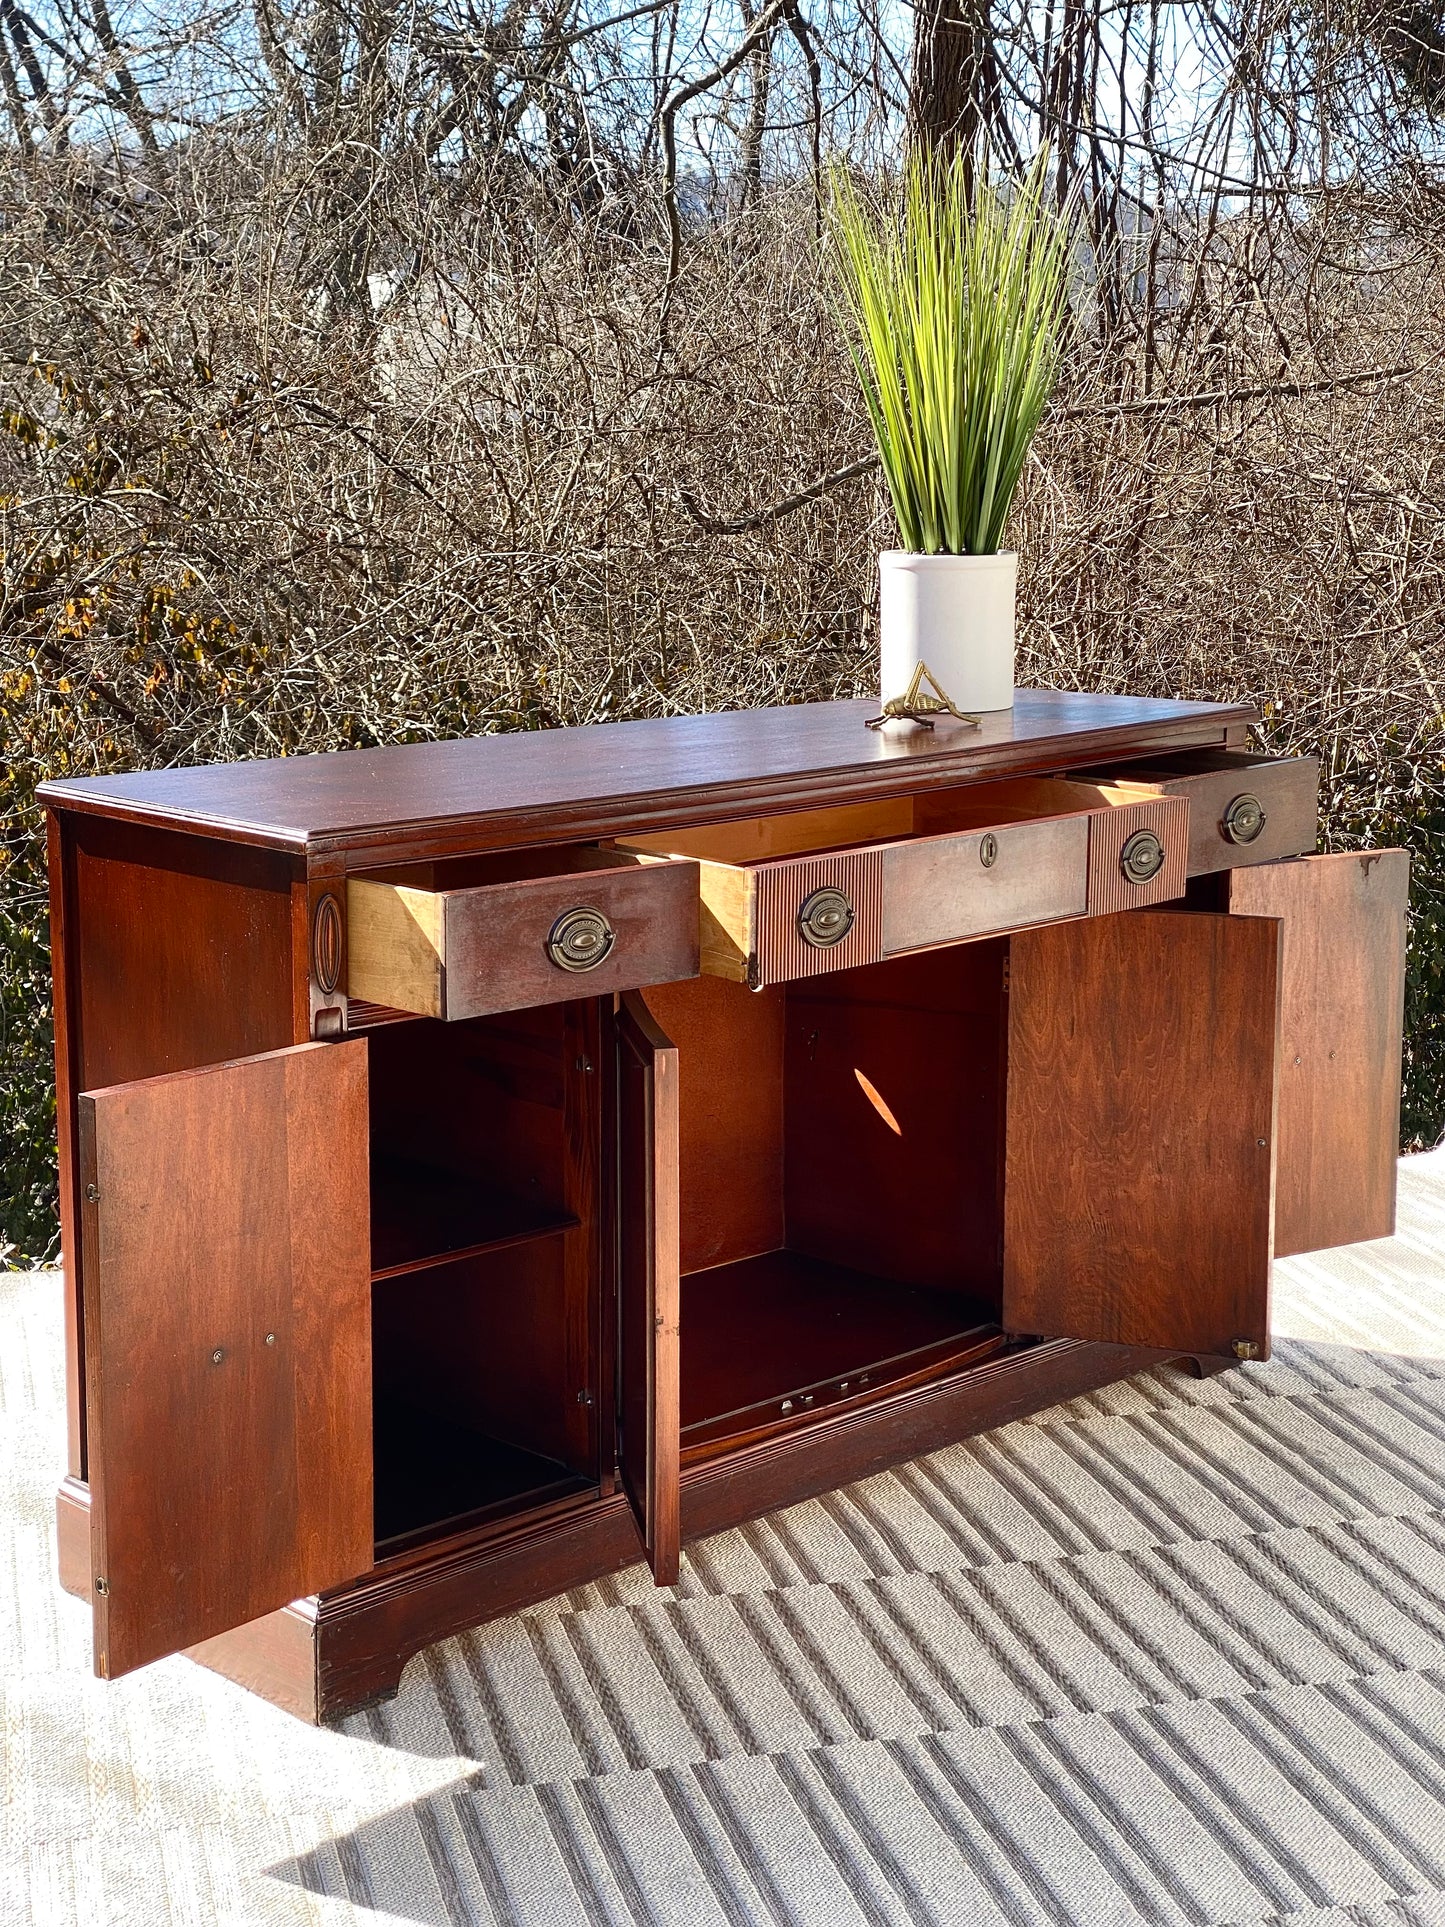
pixel 954 304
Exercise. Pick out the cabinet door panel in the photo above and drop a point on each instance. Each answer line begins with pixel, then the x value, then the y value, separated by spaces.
pixel 227 1344
pixel 1141 1099
pixel 1343 1004
pixel 649 1284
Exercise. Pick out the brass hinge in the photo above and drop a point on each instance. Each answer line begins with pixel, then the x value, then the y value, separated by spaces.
pixel 1245 1348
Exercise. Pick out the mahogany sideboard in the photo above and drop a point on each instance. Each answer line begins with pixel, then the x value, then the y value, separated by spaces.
pixel 484 1160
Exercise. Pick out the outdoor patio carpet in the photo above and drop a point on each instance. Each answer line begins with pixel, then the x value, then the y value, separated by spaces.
pixel 1174 1652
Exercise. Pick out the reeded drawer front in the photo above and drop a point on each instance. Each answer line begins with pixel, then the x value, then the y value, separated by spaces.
pixel 824 890
pixel 475 937
pixel 1138 853
pixel 1242 808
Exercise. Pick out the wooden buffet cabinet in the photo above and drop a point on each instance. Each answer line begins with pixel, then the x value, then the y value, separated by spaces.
pixel 476 1156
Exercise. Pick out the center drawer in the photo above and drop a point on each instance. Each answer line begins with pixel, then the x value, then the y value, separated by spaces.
pixel 784 897
pixel 478 935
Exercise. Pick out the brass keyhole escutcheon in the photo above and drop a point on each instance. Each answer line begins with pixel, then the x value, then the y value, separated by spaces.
pixel 988 849
pixel 580 939
pixel 825 918
pixel 1244 819
pixel 1142 857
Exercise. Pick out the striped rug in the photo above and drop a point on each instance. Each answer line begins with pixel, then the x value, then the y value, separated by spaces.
pixel 1174 1652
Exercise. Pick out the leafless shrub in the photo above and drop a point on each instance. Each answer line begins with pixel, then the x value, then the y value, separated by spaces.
pixel 371 376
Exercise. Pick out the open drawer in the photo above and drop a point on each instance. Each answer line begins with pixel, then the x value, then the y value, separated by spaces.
pixel 477 935
pixel 1242 808
pixel 784 897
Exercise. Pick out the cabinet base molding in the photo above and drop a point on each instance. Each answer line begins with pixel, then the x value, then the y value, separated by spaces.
pixel 327 1657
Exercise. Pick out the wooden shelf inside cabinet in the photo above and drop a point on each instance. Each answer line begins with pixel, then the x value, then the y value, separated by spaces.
pixel 433 1474
pixel 422 1216
pixel 781 1337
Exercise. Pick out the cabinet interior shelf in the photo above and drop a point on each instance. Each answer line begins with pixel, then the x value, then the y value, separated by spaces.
pixel 433 1474
pixel 423 1216
pixel 782 1335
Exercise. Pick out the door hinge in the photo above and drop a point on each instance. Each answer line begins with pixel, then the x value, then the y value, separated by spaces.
pixel 1245 1348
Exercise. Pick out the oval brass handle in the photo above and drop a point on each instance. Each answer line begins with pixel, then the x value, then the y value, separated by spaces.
pixel 1244 819
pixel 1142 857
pixel 825 918
pixel 580 939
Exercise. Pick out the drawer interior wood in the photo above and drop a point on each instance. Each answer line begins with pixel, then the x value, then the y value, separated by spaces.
pixel 917 871
pixel 750 841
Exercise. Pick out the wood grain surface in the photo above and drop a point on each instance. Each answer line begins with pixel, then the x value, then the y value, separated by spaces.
pixel 534 786
pixel 1343 1003
pixel 1141 1114
pixel 181 950
pixel 228 1344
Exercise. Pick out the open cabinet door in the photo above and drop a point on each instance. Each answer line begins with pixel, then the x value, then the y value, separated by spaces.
pixel 649 1419
pixel 1140 1136
pixel 1341 1025
pixel 226 1269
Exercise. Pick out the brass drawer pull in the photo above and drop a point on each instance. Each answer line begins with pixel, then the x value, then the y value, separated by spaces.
pixel 825 918
pixel 1142 857
pixel 580 939
pixel 1244 819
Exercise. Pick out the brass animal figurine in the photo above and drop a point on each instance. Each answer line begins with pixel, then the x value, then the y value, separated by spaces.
pixel 916 706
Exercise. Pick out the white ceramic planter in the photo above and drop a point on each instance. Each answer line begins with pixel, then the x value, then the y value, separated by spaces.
pixel 955 613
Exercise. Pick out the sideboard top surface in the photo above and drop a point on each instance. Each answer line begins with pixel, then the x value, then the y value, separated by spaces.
pixel 604 779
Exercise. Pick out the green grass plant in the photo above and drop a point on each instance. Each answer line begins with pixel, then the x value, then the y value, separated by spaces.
pixel 954 299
